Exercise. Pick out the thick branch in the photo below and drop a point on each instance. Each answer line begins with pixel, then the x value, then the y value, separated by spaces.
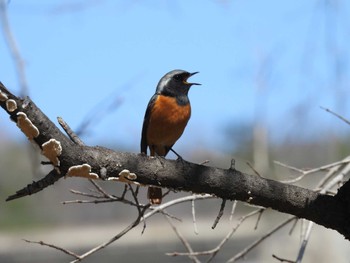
pixel 70 159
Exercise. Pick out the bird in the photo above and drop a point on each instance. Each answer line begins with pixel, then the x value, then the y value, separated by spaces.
pixel 166 117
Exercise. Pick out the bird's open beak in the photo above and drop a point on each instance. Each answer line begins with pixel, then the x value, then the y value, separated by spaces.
pixel 191 74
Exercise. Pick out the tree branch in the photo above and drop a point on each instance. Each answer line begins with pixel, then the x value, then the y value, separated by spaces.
pixel 71 159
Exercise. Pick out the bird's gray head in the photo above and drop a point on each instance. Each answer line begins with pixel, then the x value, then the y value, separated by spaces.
pixel 175 84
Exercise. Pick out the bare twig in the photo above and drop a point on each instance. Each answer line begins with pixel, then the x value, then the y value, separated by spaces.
pixel 233 209
pixel 159 208
pixel 289 167
pixel 253 169
pixel 98 199
pixel 14 50
pixel 283 259
pixel 167 214
pixel 92 195
pixel 183 240
pixel 310 171
pixel 229 235
pixel 166 193
pixel 134 194
pixel 259 217
pixel 304 242
pixel 100 189
pixel 88 201
pixel 293 227
pixel 233 164
pixel 324 189
pixel 106 106
pixel 70 253
pixel 336 115
pixel 221 212
pixel 75 138
pixel 324 186
pixel 141 217
pixel 261 239
pixel 214 251
pixel 194 218
pixel 122 233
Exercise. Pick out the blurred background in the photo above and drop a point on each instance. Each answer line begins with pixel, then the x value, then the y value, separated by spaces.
pixel 266 69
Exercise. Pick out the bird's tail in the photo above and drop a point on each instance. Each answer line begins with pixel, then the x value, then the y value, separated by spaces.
pixel 155 195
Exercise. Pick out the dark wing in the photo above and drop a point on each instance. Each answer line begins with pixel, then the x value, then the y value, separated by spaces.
pixel 145 124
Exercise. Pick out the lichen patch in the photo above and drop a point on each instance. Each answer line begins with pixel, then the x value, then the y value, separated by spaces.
pixel 52 149
pixel 83 170
pixel 26 126
pixel 126 176
pixel 3 96
pixel 11 105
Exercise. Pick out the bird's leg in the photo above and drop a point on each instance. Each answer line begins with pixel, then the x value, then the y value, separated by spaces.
pixel 156 155
pixel 179 158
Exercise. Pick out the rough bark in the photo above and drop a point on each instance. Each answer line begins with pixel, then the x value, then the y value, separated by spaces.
pixel 73 159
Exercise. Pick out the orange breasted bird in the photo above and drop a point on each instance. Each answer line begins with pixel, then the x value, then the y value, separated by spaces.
pixel 166 117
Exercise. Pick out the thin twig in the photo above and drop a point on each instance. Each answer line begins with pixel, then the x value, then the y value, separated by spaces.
pixel 88 201
pixel 180 200
pixel 325 188
pixel 253 169
pixel 293 227
pixel 336 115
pixel 322 185
pixel 310 171
pixel 327 177
pixel 75 138
pixel 106 106
pixel 304 242
pixel 259 240
pixel 166 193
pixel 167 214
pixel 232 164
pixel 101 190
pixel 125 191
pixel 194 218
pixel 122 233
pixel 85 194
pixel 142 218
pixel 98 199
pixel 214 251
pixel 137 190
pixel 134 194
pixel 14 50
pixel 183 240
pixel 229 235
pixel 259 217
pixel 70 253
pixel 221 212
pixel 283 259
pixel 233 209
pixel 289 167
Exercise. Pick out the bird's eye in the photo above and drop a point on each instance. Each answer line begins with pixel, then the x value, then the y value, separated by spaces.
pixel 177 77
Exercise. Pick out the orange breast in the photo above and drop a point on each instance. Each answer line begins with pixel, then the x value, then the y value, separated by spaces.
pixel 167 122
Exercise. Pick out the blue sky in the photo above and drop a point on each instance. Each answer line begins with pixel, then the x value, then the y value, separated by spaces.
pixel 276 61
